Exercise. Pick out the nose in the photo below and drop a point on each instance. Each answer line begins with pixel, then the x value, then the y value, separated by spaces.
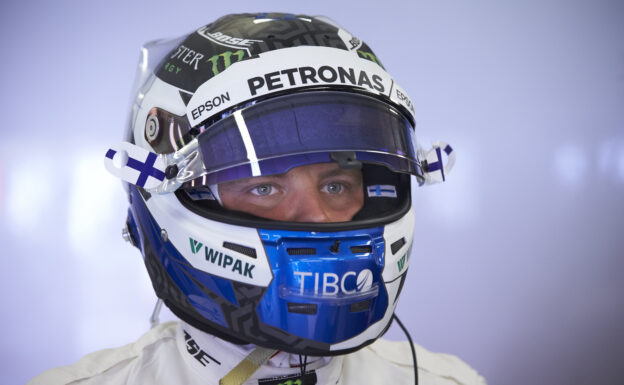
pixel 310 208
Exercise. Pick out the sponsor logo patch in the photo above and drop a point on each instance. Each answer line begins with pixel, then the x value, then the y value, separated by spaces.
pixel 223 260
pixel 334 284
pixel 209 104
pixel 174 69
pixel 194 350
pixel 403 98
pixel 401 262
pixel 227 40
pixel 224 60
pixel 369 56
pixel 195 246
pixel 187 56
pixel 307 67
pixel 299 76
pixel 355 42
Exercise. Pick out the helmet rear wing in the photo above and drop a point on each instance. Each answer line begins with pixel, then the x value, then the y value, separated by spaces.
pixel 150 171
pixel 434 166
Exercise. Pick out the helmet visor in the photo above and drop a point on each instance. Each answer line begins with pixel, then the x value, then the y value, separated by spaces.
pixel 273 136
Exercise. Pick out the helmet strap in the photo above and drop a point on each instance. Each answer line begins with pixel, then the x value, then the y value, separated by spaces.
pixel 303 363
pixel 247 367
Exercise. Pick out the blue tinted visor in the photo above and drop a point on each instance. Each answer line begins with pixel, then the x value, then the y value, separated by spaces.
pixel 272 136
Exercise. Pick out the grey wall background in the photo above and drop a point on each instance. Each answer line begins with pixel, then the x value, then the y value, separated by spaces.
pixel 519 261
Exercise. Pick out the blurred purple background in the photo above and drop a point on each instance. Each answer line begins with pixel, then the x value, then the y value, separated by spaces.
pixel 519 263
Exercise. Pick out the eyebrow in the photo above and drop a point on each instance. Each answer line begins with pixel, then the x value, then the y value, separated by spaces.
pixel 336 172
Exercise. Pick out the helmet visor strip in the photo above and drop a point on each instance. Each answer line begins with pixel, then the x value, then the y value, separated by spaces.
pixel 273 136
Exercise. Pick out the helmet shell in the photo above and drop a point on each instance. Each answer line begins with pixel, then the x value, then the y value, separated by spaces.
pixel 316 291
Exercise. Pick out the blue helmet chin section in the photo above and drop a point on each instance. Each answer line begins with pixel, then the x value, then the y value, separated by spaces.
pixel 327 286
pixel 185 276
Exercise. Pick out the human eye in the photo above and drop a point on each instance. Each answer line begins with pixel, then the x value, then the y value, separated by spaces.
pixel 333 188
pixel 264 189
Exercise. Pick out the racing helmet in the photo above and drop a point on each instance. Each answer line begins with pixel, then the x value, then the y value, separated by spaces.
pixel 260 94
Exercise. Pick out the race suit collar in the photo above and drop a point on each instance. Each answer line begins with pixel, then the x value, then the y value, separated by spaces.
pixel 212 358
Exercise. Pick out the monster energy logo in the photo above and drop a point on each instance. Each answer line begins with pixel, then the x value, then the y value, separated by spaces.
pixel 401 262
pixel 369 56
pixel 227 60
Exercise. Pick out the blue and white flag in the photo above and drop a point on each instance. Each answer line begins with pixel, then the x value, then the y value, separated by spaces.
pixel 437 169
pixel 383 190
pixel 200 193
pixel 135 165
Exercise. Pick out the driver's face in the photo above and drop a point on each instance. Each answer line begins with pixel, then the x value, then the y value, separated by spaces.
pixel 315 193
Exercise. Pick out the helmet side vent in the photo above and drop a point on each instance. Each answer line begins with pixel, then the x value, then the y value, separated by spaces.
pixel 248 251
pixel 360 306
pixel 396 246
pixel 301 251
pixel 364 249
pixel 302 308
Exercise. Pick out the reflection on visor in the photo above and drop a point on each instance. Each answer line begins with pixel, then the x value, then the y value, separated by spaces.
pixel 276 135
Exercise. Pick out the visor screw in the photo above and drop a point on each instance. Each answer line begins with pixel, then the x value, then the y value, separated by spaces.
pixel 151 128
pixel 127 235
pixel 164 235
pixel 171 171
pixel 335 248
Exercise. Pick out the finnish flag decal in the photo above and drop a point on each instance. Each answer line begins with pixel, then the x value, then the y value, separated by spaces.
pixel 384 190
pixel 437 169
pixel 135 165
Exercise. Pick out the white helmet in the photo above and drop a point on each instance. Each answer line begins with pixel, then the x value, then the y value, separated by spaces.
pixel 260 94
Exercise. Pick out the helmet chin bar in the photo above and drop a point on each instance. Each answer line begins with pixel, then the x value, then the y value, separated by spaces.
pixel 249 329
pixel 352 286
